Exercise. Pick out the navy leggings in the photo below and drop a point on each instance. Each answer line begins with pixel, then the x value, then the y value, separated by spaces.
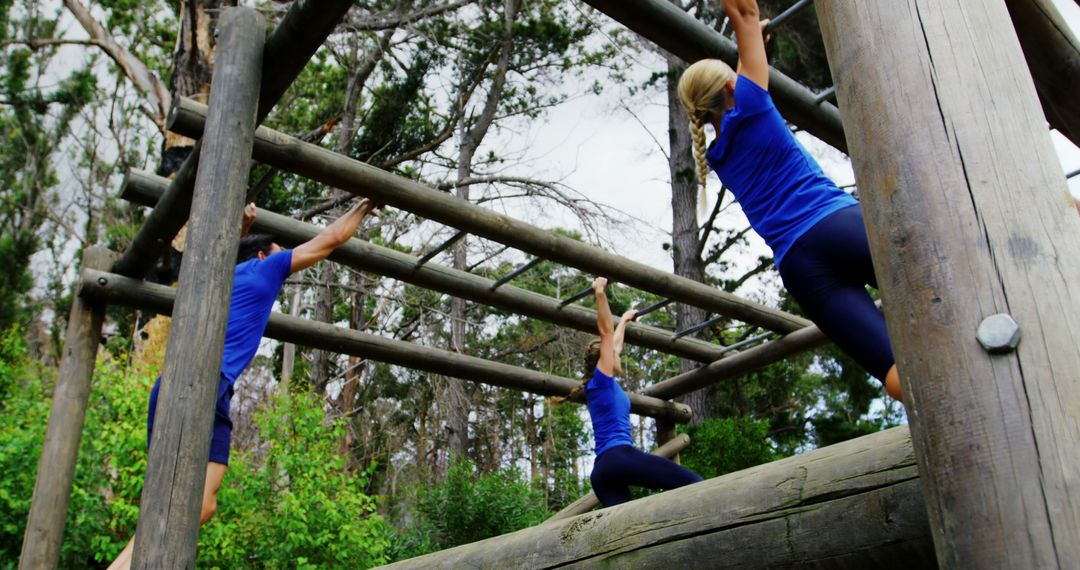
pixel 827 270
pixel 619 467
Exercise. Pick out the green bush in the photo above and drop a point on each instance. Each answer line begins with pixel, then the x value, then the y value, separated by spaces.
pixel 297 506
pixel 294 506
pixel 467 507
pixel 724 445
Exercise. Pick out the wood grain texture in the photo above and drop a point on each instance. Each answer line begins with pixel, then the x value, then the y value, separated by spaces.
pixel 168 527
pixel 122 290
pixel 317 163
pixel 968 215
pixel 1052 53
pixel 56 466
pixel 852 505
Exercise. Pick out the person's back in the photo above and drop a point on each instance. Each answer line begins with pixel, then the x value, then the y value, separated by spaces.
pixel 780 187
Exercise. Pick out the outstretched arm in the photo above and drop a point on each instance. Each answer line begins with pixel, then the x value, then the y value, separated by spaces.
pixel 604 324
pixel 332 237
pixel 745 20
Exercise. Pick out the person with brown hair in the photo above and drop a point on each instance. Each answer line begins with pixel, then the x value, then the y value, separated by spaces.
pixel 815 230
pixel 618 463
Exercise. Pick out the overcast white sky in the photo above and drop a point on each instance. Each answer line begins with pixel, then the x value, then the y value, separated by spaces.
pixel 599 149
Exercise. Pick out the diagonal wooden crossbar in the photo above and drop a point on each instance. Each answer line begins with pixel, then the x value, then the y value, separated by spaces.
pixel 297 36
pixel 144 188
pixel 120 290
pixel 331 168
pixel 669 27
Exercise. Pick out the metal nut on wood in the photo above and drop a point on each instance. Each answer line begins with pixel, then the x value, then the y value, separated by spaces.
pixel 998 333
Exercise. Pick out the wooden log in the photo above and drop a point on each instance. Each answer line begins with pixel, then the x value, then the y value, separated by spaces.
pixel 56 467
pixel 590 502
pixel 125 291
pixel 297 36
pixel 968 216
pixel 333 169
pixel 1052 53
pixel 739 363
pixel 666 25
pixel 168 527
pixel 144 188
pixel 853 505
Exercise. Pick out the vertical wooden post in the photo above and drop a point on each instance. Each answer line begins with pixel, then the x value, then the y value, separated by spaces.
pixel 56 468
pixel 968 216
pixel 168 526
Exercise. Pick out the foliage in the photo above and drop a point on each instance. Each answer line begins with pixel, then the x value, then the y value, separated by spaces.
pixel 293 504
pixel 467 507
pixel 724 445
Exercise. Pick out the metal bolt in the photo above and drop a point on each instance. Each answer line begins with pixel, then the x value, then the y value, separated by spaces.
pixel 998 333
pixel 102 281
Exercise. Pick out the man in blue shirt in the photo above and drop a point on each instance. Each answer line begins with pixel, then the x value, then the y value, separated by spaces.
pixel 261 269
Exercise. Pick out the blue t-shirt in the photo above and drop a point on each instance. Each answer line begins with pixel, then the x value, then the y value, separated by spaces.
pixel 609 409
pixel 256 285
pixel 779 185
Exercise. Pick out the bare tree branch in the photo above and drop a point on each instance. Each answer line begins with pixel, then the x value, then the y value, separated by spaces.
pixel 134 69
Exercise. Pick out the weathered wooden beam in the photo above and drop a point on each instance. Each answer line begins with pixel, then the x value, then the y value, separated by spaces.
pixel 168 527
pixel 144 188
pixel 739 364
pixel 333 169
pixel 968 216
pixel 294 40
pixel 669 27
pixel 122 290
pixel 854 505
pixel 590 502
pixel 56 467
pixel 1052 53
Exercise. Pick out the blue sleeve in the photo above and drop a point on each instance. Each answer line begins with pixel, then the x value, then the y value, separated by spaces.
pixel 750 98
pixel 277 267
pixel 600 381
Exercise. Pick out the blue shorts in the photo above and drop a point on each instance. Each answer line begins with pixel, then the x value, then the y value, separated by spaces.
pixel 827 270
pixel 221 439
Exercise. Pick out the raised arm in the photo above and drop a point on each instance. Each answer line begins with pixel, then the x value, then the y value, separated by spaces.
pixel 332 237
pixel 604 324
pixel 620 332
pixel 745 20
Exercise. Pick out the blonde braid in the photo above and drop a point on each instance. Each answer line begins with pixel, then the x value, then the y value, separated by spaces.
pixel 558 400
pixel 697 133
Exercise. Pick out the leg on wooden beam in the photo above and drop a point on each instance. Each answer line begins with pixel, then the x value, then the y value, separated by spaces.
pixel 968 215
pixel 56 468
pixel 168 526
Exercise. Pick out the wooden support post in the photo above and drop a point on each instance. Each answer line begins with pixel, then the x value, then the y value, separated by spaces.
pixel 589 502
pixel 852 505
pixel 158 298
pixel 669 27
pixel 144 188
pixel 968 216
pixel 333 169
pixel 56 467
pixel 168 527
pixel 1052 52
pixel 297 36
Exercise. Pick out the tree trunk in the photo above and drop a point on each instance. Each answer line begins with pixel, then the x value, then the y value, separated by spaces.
pixel 685 236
